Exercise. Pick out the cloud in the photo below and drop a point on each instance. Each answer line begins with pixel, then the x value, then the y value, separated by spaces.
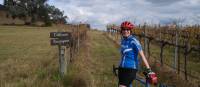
pixel 99 13
pixel 163 2
pixel 1 1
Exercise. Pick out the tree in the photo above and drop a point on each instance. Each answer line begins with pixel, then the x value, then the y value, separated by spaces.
pixel 56 15
pixel 5 2
pixel 37 10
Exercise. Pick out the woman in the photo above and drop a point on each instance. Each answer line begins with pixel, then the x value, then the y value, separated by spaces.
pixel 130 47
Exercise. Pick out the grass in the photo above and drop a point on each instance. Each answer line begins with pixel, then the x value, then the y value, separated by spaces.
pixel 93 65
pixel 193 60
pixel 28 60
pixel 107 54
pixel 26 57
pixel 193 63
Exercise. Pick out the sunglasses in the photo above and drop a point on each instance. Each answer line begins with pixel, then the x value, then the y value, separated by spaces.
pixel 125 29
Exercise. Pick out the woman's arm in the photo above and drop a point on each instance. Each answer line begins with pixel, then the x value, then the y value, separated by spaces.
pixel 144 59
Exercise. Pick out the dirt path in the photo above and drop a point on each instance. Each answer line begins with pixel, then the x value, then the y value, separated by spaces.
pixel 93 67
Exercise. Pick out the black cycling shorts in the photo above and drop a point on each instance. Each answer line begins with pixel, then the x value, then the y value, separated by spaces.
pixel 126 76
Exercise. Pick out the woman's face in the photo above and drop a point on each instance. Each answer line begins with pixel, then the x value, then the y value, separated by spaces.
pixel 126 32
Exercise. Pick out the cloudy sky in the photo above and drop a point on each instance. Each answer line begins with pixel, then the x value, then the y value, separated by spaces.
pixel 98 13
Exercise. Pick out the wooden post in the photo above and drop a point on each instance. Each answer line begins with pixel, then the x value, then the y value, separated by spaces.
pixel 62 60
pixel 145 40
pixel 78 38
pixel 176 50
pixel 179 61
pixel 71 51
pixel 186 54
pixel 185 61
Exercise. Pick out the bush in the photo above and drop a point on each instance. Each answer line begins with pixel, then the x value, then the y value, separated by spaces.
pixel 48 23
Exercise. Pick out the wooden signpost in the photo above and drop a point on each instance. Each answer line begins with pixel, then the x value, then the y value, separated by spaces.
pixel 59 42
pixel 61 39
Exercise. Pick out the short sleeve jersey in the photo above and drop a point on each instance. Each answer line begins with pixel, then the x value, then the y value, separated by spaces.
pixel 130 47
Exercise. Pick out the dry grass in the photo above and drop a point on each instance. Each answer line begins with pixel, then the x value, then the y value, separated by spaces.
pixel 192 66
pixel 28 60
pixel 167 76
pixel 93 65
pixel 26 57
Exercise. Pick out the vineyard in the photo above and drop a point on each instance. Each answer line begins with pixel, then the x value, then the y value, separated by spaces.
pixel 177 47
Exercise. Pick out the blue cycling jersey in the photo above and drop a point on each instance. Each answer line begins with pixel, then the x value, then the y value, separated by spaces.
pixel 130 47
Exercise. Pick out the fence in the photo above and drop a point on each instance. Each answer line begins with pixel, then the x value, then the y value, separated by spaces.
pixel 184 42
pixel 79 34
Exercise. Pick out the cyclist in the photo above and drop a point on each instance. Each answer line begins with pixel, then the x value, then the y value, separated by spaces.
pixel 130 47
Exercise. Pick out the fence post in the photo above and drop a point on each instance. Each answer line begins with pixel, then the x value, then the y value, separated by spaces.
pixel 179 61
pixel 145 40
pixel 186 54
pixel 71 50
pixel 176 49
pixel 78 38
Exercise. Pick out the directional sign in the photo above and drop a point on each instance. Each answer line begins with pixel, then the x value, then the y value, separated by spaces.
pixel 59 42
pixel 63 35
pixel 60 38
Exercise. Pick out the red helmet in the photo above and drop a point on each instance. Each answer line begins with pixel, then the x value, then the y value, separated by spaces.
pixel 127 25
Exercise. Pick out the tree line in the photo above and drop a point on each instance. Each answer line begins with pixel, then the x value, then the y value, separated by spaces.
pixel 32 11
